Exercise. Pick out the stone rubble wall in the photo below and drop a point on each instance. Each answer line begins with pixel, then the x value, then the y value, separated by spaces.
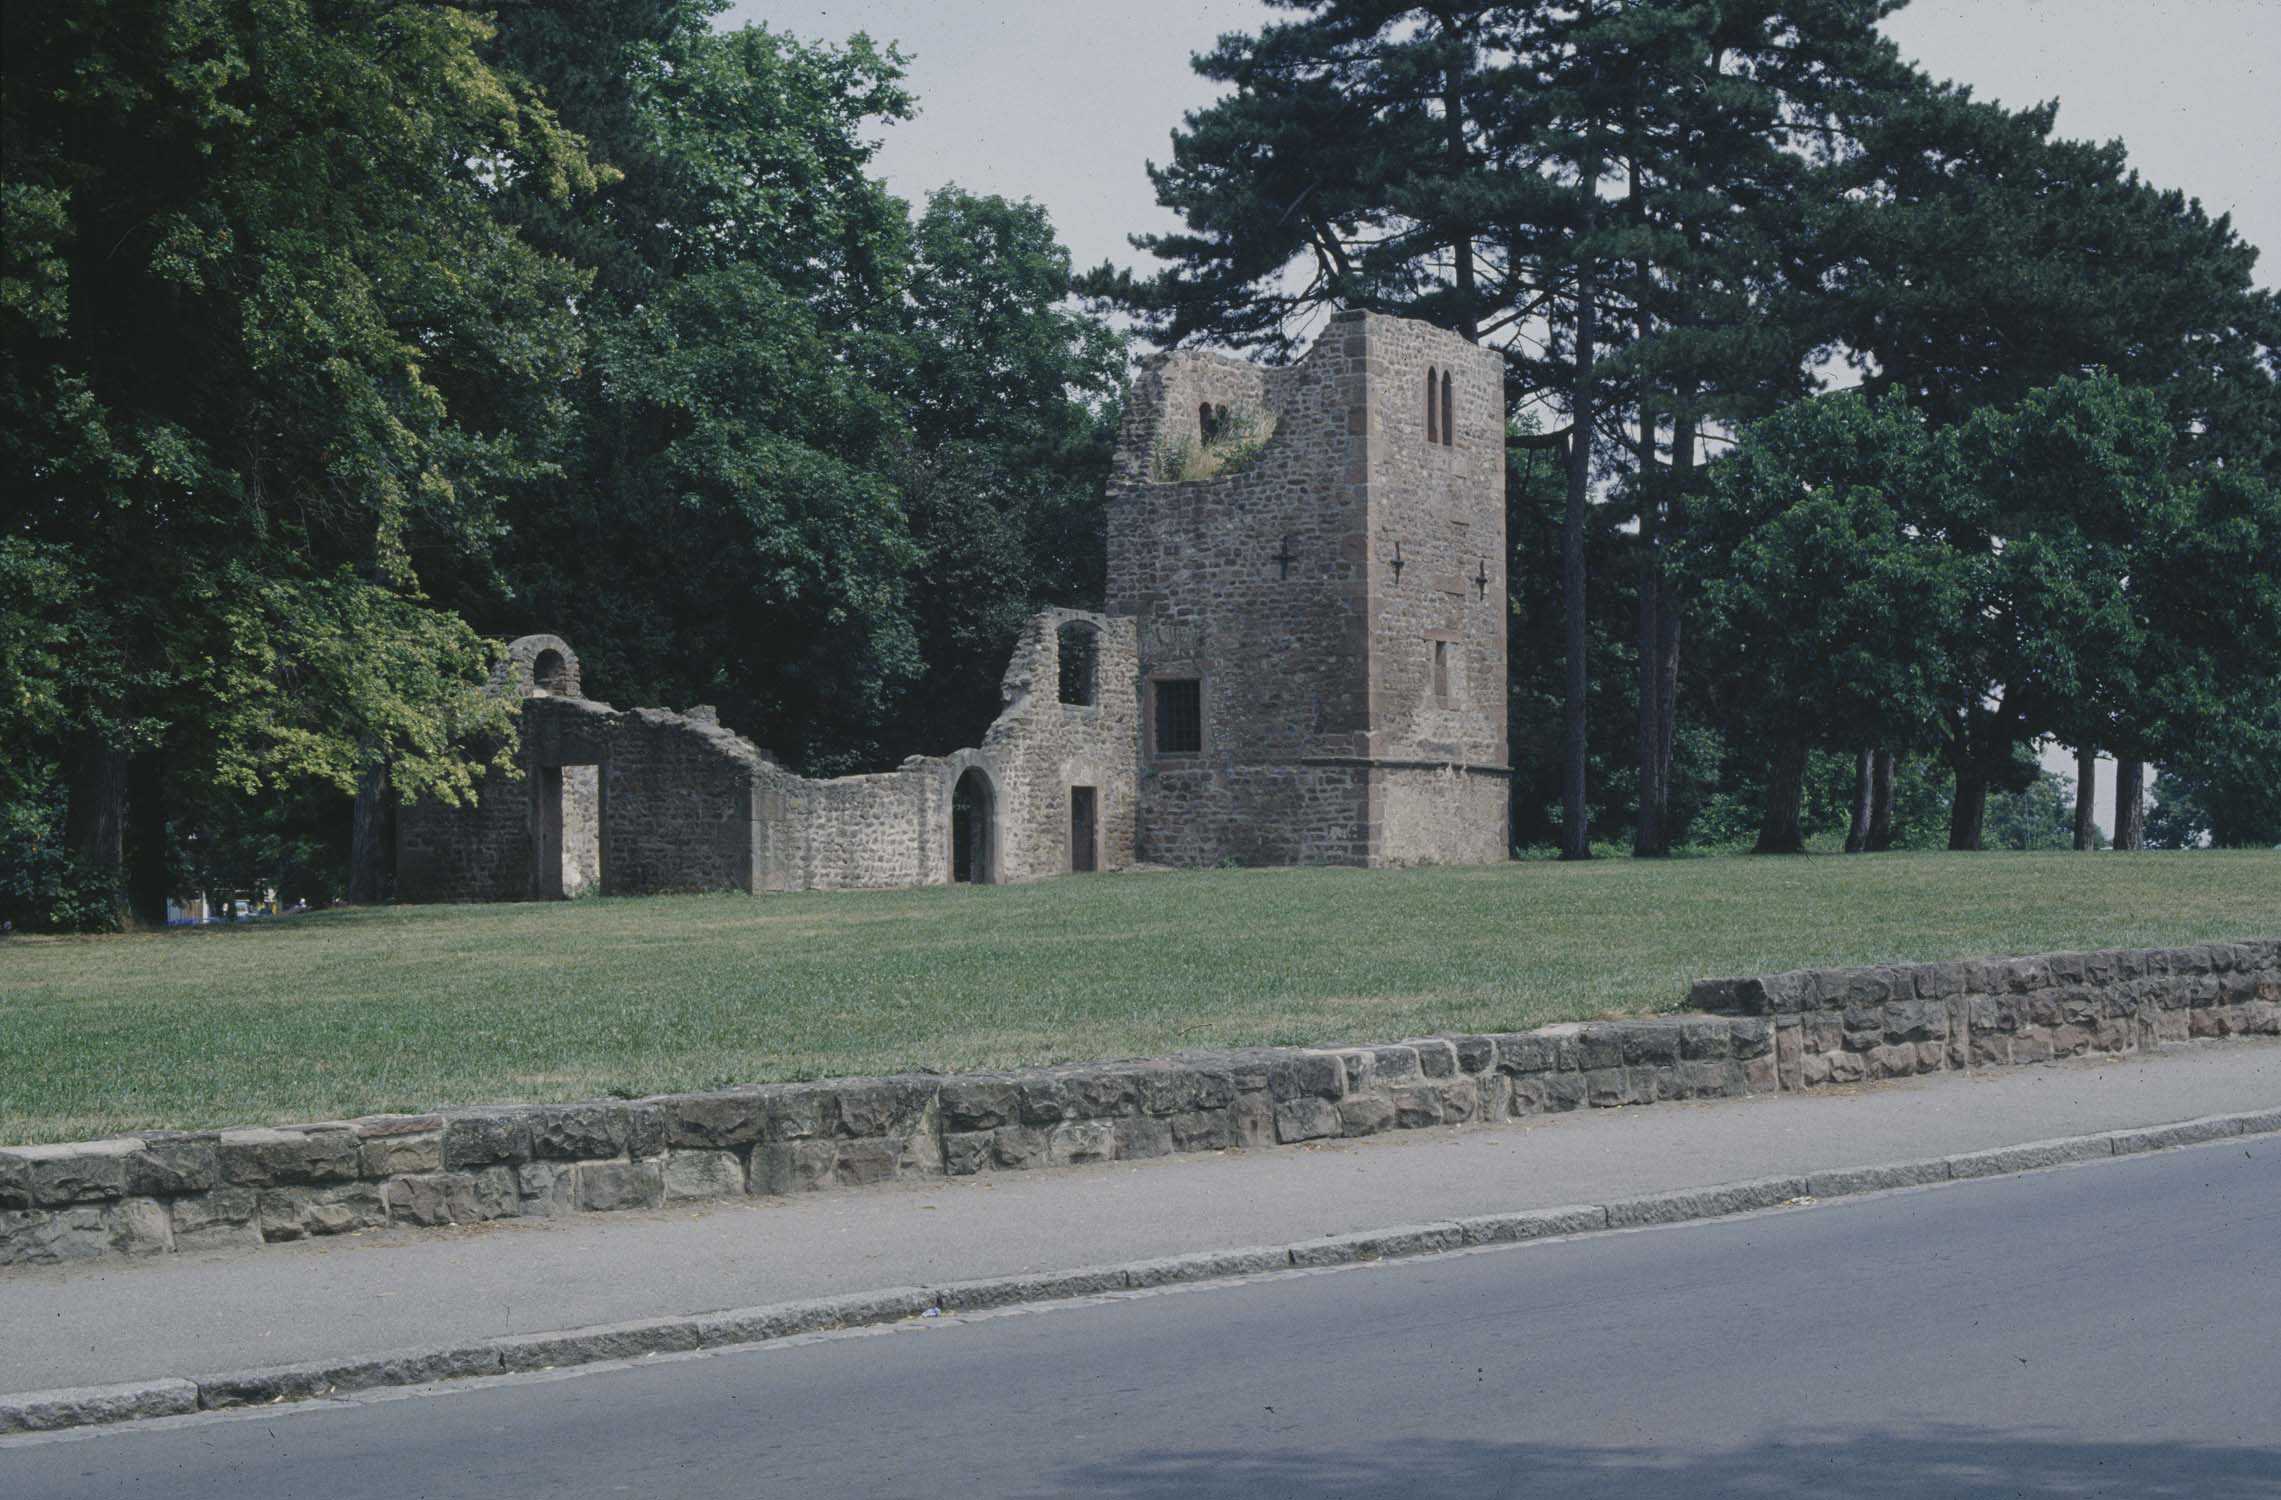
pixel 658 801
pixel 240 1189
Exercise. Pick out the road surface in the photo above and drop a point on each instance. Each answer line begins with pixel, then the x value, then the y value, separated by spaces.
pixel 2107 1330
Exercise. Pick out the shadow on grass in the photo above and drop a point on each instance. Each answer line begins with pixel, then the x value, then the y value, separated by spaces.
pixel 1949 1462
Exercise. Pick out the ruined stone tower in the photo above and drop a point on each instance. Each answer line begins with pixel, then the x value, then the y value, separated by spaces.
pixel 1321 631
pixel 1302 662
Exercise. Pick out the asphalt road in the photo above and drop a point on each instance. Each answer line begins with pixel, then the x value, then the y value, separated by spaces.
pixel 2109 1330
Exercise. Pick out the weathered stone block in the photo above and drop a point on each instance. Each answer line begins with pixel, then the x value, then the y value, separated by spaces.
pixel 1018 1147
pixel 606 1186
pixel 1204 1130
pixel 715 1122
pixel 800 1111
pixel 885 1107
pixel 1600 1048
pixel 454 1197
pixel 1699 1040
pixel 979 1103
pixel 222 1219
pixel 1459 1099
pixel 78 1172
pixel 1076 1142
pixel 173 1164
pixel 862 1163
pixel 1252 1117
pixel 1761 1075
pixel 485 1138
pixel 1307 1076
pixel 966 1152
pixel 1305 1120
pixel 292 1213
pixel 1365 1114
pixel 1416 1106
pixel 404 1155
pixel 795 1166
pixel 547 1188
pixel 1141 1136
pixel 1651 1044
pixel 1526 1053
pixel 1475 1054
pixel 1606 1088
pixel 578 1132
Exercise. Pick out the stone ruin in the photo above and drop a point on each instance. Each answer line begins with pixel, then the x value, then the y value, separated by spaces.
pixel 1302 661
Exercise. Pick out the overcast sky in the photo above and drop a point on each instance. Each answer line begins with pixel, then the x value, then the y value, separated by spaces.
pixel 1065 100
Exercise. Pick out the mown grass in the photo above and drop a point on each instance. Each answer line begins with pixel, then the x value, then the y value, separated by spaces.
pixel 345 1013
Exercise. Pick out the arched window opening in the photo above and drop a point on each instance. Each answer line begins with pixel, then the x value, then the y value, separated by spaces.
pixel 1448 413
pixel 1433 408
pixel 1080 664
pixel 550 673
pixel 1211 422
pixel 973 834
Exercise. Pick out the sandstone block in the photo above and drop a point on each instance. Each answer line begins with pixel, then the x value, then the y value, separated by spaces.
pixel 78 1172
pixel 699 1175
pixel 1075 1142
pixel 966 1152
pixel 223 1219
pixel 1305 1120
pixel 1141 1136
pixel 1308 1076
pixel 979 1103
pixel 171 1165
pixel 578 1132
pixel 714 1122
pixel 796 1166
pixel 403 1155
pixel 1365 1114
pixel 1204 1130
pixel 483 1138
pixel 606 1186
pixel 292 1213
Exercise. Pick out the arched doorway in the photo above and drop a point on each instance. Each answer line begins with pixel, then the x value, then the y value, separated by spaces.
pixel 973 829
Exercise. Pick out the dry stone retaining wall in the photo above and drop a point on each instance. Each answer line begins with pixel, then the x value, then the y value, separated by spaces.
pixel 154 1193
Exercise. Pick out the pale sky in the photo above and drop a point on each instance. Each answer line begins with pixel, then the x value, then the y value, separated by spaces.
pixel 1064 101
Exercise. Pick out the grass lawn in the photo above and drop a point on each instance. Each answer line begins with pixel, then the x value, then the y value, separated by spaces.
pixel 345 1013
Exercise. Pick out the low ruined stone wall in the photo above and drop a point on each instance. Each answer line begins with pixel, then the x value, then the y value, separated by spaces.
pixel 243 1188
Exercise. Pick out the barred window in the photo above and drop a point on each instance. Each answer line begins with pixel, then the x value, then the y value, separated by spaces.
pixel 1179 716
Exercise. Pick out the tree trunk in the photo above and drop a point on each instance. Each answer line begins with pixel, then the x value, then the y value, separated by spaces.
pixel 1649 839
pixel 368 837
pixel 1884 774
pixel 1864 801
pixel 2130 804
pixel 1968 814
pixel 94 815
pixel 2086 790
pixel 1575 833
pixel 1785 793
pixel 1668 607
pixel 146 858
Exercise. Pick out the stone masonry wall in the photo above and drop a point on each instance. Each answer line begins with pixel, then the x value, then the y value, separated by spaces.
pixel 652 800
pixel 1253 583
pixel 199 1190
pixel 1437 737
pixel 1340 600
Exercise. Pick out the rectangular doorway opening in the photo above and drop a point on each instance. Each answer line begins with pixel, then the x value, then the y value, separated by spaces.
pixel 1084 846
pixel 569 852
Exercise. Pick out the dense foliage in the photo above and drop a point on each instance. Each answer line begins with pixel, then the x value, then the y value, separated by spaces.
pixel 341 339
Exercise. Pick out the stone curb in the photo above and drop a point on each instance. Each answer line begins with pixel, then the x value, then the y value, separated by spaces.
pixel 49 1411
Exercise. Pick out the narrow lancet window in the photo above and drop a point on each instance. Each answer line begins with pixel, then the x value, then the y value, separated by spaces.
pixel 1433 408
